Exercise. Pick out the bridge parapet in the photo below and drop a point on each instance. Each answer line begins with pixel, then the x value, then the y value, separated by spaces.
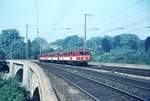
pixel 33 79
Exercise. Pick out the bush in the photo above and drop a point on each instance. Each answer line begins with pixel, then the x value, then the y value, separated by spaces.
pixel 10 90
pixel 126 55
pixel 3 66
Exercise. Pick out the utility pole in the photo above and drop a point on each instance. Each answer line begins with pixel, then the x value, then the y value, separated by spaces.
pixel 27 30
pixel 85 29
pixel 10 49
pixel 37 31
pixel 11 54
pixel 40 47
pixel 37 17
pixel 37 22
pixel 85 15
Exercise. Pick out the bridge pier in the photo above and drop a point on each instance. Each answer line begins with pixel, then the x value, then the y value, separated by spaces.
pixel 26 77
pixel 11 69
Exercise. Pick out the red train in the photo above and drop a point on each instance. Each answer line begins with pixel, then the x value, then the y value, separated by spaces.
pixel 80 57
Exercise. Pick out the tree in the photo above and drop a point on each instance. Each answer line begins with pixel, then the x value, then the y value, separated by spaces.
pixel 8 40
pixel 72 42
pixel 132 44
pixel 141 45
pixel 47 50
pixel 8 36
pixel 3 64
pixel 94 43
pixel 147 43
pixel 129 40
pixel 58 42
pixel 126 55
pixel 116 41
pixel 36 45
pixel 106 46
pixel 2 55
pixel 69 43
pixel 18 49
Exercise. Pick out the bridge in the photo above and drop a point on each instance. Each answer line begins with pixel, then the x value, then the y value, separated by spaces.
pixel 32 77
pixel 56 82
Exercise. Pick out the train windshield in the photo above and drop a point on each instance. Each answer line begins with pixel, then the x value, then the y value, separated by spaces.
pixel 84 53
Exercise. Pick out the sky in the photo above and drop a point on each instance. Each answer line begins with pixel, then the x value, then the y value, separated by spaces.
pixel 58 19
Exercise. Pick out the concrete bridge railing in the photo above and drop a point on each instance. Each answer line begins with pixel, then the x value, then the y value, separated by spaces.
pixel 33 79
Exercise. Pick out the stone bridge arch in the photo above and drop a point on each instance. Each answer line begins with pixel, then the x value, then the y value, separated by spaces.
pixel 36 95
pixel 19 75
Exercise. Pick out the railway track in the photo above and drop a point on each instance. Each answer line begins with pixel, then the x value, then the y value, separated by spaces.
pixel 135 87
pixel 134 71
pixel 93 87
pixel 127 80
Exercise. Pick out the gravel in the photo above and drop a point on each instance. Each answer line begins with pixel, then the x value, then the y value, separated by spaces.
pixel 98 90
pixel 66 91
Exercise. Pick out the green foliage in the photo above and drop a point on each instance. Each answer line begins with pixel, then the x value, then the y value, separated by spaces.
pixel 133 44
pixel 126 48
pixel 47 50
pixel 94 43
pixel 147 43
pixel 12 43
pixel 96 55
pixel 106 45
pixel 2 55
pixel 18 49
pixel 58 42
pixel 126 55
pixel 36 45
pixel 9 36
pixel 70 43
pixel 123 48
pixel 73 41
pixel 3 66
pixel 10 90
pixel 117 41
pixel 129 40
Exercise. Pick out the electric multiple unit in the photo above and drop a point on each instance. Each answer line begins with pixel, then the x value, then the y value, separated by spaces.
pixel 80 57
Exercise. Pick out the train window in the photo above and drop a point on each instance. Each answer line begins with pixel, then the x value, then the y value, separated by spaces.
pixel 73 54
pixel 81 53
pixel 84 53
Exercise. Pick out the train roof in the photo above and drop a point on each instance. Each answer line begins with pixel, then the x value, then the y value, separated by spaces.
pixel 54 53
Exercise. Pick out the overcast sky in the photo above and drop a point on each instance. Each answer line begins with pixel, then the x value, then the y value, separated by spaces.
pixel 110 17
